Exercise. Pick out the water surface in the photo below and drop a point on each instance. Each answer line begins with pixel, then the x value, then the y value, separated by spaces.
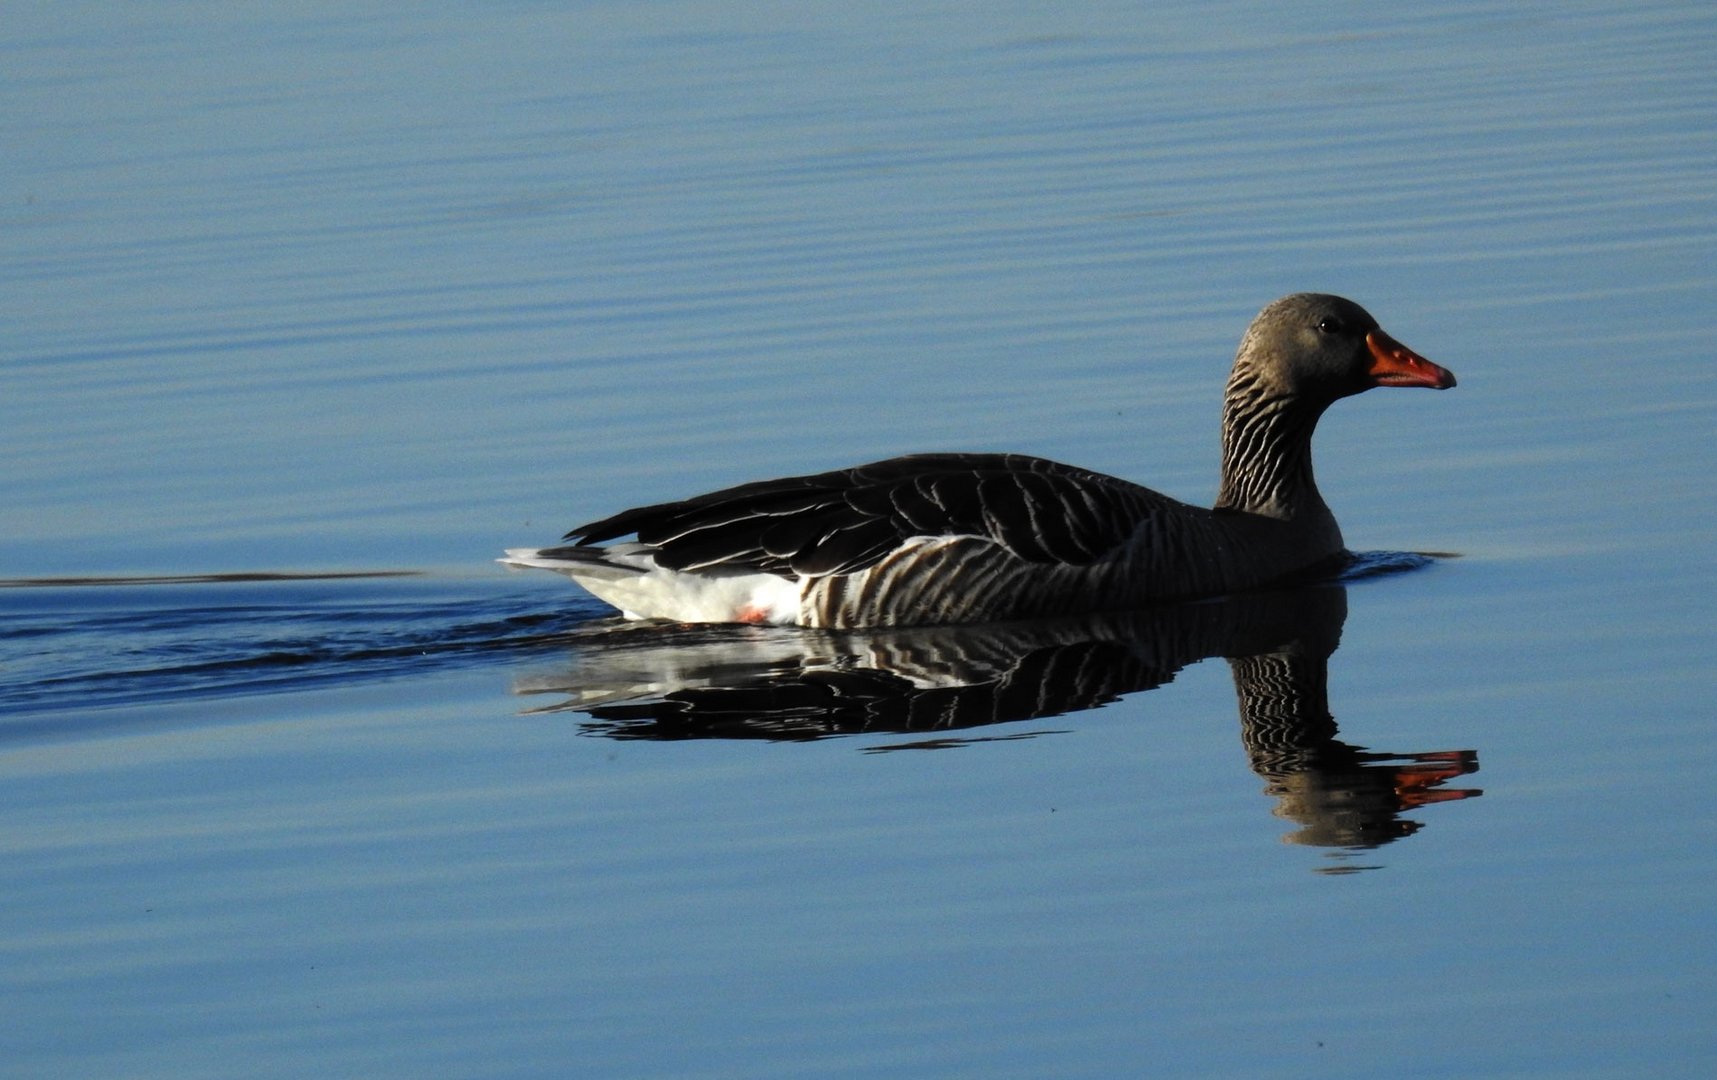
pixel 311 313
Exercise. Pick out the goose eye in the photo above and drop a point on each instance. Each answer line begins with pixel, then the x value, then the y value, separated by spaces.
pixel 1330 325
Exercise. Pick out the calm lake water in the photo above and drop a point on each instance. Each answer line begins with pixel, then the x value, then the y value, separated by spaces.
pixel 310 312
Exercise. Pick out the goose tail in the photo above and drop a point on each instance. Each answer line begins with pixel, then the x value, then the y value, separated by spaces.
pixel 610 563
pixel 628 577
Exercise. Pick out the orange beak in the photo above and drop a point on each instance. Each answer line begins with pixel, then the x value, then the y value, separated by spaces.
pixel 1394 364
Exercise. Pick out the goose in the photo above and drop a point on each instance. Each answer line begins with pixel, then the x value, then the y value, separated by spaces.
pixel 946 538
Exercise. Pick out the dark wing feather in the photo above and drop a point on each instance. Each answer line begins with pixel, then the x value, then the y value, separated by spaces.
pixel 842 521
pixel 856 545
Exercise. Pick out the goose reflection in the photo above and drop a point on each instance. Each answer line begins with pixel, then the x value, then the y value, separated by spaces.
pixel 650 681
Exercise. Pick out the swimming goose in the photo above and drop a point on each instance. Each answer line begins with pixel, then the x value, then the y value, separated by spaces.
pixel 961 538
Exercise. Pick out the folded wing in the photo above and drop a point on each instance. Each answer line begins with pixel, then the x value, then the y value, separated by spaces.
pixel 843 521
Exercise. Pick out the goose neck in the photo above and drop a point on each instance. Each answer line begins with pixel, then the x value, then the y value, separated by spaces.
pixel 1267 453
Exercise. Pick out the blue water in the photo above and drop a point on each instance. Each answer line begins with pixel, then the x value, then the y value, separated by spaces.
pixel 309 313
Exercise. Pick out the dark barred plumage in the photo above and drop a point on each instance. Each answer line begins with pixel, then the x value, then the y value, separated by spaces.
pixel 846 520
pixel 949 538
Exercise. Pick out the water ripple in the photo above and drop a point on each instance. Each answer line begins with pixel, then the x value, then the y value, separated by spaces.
pixel 83 644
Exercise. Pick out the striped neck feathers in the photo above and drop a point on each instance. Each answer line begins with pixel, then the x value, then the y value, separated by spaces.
pixel 1267 449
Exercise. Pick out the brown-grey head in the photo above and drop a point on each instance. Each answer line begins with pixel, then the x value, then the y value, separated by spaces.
pixel 1318 348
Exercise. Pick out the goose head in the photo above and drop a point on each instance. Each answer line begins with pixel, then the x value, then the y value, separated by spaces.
pixel 1300 354
pixel 1318 348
